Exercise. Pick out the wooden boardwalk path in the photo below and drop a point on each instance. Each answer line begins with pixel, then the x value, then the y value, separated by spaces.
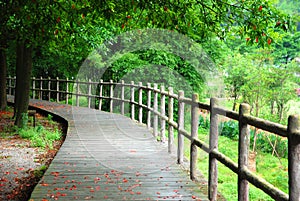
pixel 109 157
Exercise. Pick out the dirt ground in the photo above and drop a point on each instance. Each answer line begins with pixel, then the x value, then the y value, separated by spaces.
pixel 22 165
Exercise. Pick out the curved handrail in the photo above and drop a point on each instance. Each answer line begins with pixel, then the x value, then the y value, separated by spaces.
pixel 60 88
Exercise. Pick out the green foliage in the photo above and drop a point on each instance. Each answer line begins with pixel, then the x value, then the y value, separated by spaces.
pixel 24 120
pixel 40 137
pixel 269 167
pixel 267 142
pixel 204 122
pixel 50 117
pixel 40 171
pixel 229 129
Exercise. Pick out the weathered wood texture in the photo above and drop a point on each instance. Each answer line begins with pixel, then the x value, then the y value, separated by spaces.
pixel 110 157
pixel 156 112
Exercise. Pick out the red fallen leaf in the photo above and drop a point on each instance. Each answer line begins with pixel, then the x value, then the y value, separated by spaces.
pixel 176 191
pixel 44 184
pixel 57 189
pixel 92 190
pixel 15 173
pixel 74 187
pixel 97 179
pixel 105 197
pixel 7 173
pixel 138 193
pixel 97 188
pixel 194 197
pixel 55 174
pixel 125 180
pixel 131 192
pixel 44 199
pixel 4 179
pixel 63 194
pixel 158 193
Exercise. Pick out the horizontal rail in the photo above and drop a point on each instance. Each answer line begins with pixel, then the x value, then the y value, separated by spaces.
pixel 103 94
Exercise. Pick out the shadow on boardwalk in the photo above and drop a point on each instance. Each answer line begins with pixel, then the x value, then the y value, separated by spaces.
pixel 109 157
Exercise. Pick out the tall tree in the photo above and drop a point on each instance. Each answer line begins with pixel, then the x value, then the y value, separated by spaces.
pixel 34 22
pixel 3 68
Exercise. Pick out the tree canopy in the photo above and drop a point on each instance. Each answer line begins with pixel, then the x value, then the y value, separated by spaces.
pixel 52 38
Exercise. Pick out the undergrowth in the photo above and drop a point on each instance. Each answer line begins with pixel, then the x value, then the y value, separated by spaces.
pixel 39 136
pixel 268 166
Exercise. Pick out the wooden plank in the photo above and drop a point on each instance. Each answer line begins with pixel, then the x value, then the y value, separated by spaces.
pixel 108 156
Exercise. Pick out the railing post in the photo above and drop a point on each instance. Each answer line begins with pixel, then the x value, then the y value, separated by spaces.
pixel 33 87
pixel 49 88
pixel 100 94
pixel 57 89
pixel 149 106
pixel 163 113
pixel 170 116
pixel 244 143
pixel 111 96
pixel 180 150
pixel 67 91
pixel 89 93
pixel 294 157
pixel 213 144
pixel 194 135
pixel 140 102
pixel 77 92
pixel 132 100
pixel 41 88
pixel 122 97
pixel 9 85
pixel 155 108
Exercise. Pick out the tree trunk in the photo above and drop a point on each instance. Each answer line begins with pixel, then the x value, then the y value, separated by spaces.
pixel 23 72
pixel 3 68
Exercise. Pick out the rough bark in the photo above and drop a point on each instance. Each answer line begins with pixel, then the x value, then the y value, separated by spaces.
pixel 3 68
pixel 23 72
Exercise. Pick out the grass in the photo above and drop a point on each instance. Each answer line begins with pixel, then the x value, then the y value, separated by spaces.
pixel 40 137
pixel 269 167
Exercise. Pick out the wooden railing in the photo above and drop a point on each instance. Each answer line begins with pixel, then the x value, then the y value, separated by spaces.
pixel 100 94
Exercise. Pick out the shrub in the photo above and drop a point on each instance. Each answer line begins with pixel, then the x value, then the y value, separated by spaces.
pixel 40 137
pixel 229 129
pixel 263 143
pixel 204 122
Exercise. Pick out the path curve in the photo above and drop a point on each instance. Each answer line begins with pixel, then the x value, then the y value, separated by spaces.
pixel 107 156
